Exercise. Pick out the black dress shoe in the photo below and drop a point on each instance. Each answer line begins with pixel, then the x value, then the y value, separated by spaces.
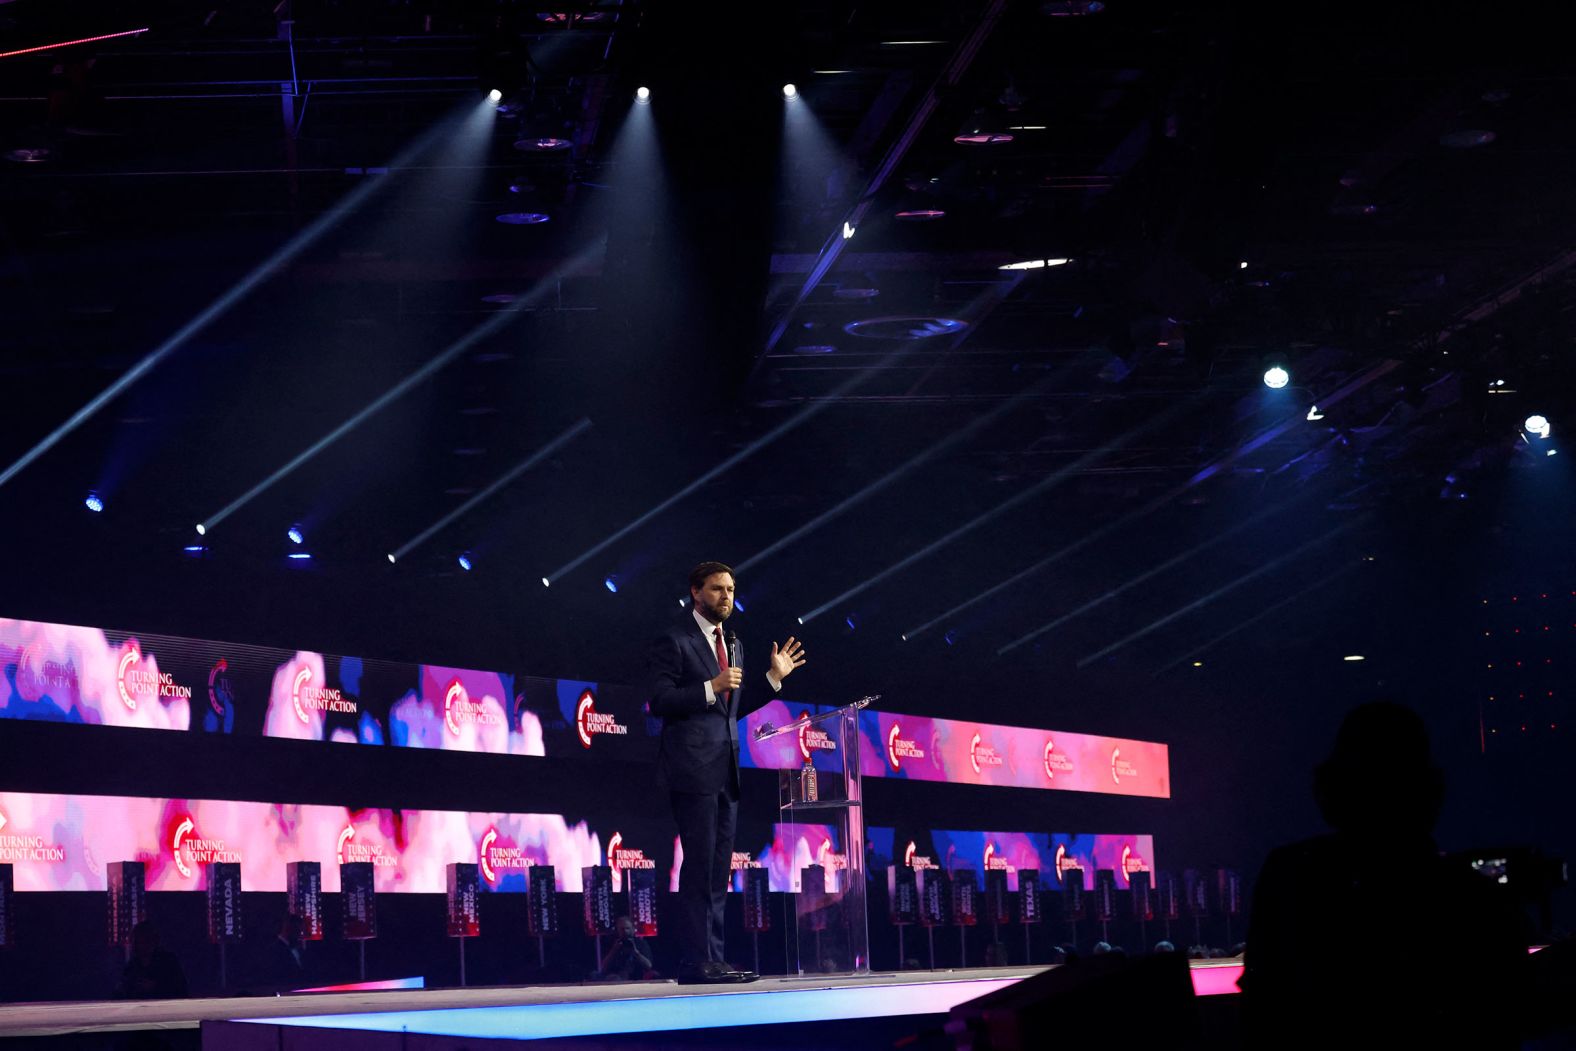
pixel 738 974
pixel 709 973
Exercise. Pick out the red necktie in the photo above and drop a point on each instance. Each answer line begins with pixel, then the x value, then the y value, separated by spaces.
pixel 722 664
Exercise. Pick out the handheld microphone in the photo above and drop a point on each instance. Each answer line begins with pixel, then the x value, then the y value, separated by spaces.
pixel 733 649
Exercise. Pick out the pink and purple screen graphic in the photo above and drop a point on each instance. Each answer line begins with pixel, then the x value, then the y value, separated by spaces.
pixel 86 675
pixel 63 843
pixel 815 742
pixel 924 749
pixel 1057 856
pixel 793 848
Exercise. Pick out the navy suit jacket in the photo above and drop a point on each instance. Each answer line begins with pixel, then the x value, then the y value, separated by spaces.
pixel 699 747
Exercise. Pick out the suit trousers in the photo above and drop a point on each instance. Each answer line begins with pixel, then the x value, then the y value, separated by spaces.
pixel 706 824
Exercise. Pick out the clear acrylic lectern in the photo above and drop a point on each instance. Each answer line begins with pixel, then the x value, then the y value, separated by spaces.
pixel 820 803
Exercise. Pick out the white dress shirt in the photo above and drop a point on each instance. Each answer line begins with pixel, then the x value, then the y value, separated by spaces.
pixel 708 629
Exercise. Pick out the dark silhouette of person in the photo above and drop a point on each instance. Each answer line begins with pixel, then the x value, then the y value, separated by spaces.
pixel 153 972
pixel 628 959
pixel 282 966
pixel 1378 879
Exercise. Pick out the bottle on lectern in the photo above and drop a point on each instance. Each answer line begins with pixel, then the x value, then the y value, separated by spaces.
pixel 807 783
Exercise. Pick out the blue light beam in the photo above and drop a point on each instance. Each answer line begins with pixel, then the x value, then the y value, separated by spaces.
pixel 1204 600
pixel 955 438
pixel 1151 573
pixel 802 417
pixel 514 472
pixel 1199 651
pixel 1077 545
pixel 487 328
pixel 237 292
pixel 1054 478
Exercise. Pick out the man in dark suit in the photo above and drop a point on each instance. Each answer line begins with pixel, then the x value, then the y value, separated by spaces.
pixel 696 685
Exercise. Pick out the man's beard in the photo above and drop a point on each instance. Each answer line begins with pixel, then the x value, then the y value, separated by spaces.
pixel 712 614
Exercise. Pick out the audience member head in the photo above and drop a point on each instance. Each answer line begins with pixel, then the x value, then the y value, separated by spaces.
pixel 624 927
pixel 144 940
pixel 1101 948
pixel 1380 777
pixel 1164 946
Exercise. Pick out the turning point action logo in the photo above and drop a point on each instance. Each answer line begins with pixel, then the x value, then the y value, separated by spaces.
pixel 54 679
pixel 220 691
pixel 899 748
pixel 1055 762
pixel 350 852
pixel 981 754
pixel 620 857
pixel 1131 863
pixel 308 698
pixel 916 861
pixel 1120 767
pixel 185 843
pixel 1066 863
pixel 589 721
pixel 133 681
pixel 994 860
pixel 813 739
pixel 496 858
pixel 459 709
pixel 19 847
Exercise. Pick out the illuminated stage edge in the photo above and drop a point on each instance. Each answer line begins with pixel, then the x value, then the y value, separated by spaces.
pixel 769 1002
pixel 539 1012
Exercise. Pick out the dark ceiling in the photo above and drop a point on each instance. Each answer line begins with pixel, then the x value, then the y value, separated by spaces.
pixel 1378 199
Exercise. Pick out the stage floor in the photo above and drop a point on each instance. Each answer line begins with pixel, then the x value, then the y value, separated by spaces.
pixel 574 1009
pixel 556 1011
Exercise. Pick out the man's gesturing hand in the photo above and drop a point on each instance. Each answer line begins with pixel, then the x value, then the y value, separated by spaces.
pixel 787 658
pixel 728 680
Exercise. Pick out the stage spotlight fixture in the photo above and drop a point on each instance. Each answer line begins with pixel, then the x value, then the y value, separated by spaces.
pixel 295 535
pixel 790 91
pixel 1354 658
pixel 738 604
pixel 202 530
pixel 1537 426
pixel 642 94
pixel 299 556
pixel 465 561
pixel 951 637
pixel 848 231
pixel 1315 414
pixel 546 583
pixel 94 503
pixel 495 96
pixel 1034 264
pixel 852 620
pixel 195 550
pixel 1242 265
pixel 391 558
pixel 611 583
pixel 1276 377
pixel 1198 664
